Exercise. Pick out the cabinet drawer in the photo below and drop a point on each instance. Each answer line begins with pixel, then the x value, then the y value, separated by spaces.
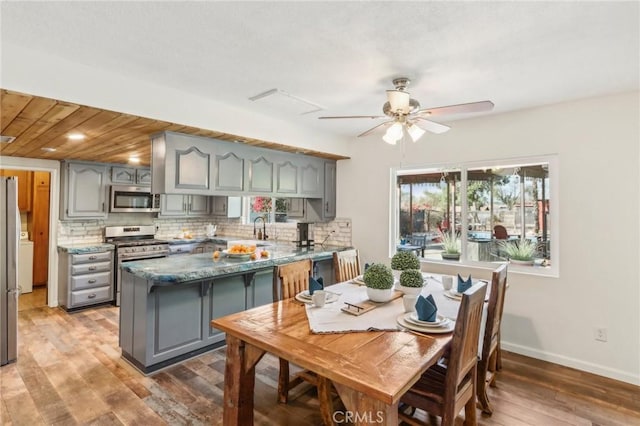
pixel 91 280
pixel 90 268
pixel 90 296
pixel 92 257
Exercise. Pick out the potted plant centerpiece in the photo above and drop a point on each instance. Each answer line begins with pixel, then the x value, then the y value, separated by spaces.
pixel 379 281
pixel 450 246
pixel 411 281
pixel 519 252
pixel 404 260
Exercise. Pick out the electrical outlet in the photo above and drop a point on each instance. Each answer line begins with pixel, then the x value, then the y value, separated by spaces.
pixel 600 334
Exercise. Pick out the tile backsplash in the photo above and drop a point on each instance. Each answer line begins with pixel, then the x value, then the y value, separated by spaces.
pixel 336 232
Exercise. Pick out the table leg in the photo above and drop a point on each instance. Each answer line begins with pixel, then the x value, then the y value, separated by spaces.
pixel 239 381
pixel 363 410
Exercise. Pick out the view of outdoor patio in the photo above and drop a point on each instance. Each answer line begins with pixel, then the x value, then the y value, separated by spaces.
pixel 504 208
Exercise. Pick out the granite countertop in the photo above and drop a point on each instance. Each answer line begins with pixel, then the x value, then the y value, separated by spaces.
pixel 81 248
pixel 177 269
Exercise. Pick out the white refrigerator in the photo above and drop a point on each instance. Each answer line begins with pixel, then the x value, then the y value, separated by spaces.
pixel 9 290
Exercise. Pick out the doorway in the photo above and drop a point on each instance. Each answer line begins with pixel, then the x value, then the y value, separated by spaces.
pixel 33 259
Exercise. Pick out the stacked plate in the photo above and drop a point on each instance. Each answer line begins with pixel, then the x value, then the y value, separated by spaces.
pixel 453 294
pixel 411 321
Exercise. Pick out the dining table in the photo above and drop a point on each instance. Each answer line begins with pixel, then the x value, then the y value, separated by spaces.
pixel 370 359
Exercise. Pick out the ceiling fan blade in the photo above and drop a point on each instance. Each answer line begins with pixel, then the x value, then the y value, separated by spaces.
pixel 371 130
pixel 457 109
pixel 432 126
pixel 353 116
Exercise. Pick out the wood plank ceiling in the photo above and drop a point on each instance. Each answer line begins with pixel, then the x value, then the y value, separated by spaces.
pixel 111 137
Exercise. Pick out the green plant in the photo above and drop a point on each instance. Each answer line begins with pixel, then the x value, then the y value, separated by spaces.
pixel 378 276
pixel 404 260
pixel 450 243
pixel 411 278
pixel 519 250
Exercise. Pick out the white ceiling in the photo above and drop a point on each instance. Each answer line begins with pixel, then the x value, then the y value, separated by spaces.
pixel 343 55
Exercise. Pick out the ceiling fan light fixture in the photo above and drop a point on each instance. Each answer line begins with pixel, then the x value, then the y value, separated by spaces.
pixel 415 132
pixel 389 139
pixel 398 100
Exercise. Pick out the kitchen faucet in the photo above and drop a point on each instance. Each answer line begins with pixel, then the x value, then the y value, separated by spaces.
pixel 264 228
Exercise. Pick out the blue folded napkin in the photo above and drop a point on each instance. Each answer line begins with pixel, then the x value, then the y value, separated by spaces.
pixel 315 284
pixel 464 285
pixel 426 308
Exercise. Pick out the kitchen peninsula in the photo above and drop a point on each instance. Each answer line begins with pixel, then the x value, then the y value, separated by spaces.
pixel 168 303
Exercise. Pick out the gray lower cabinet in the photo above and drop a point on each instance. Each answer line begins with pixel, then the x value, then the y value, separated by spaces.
pixel 84 191
pixel 177 205
pixel 162 324
pixel 85 279
pixel 324 268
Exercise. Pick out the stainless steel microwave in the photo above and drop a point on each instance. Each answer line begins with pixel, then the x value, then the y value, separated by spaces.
pixel 127 199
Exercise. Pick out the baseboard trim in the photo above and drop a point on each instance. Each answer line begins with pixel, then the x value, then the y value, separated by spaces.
pixel 600 370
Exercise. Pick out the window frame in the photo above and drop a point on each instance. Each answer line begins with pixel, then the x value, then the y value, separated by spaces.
pixel 554 212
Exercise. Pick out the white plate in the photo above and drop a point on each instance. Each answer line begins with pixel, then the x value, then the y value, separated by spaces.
pixel 453 294
pixel 236 255
pixel 413 317
pixel 358 280
pixel 301 297
pixel 446 328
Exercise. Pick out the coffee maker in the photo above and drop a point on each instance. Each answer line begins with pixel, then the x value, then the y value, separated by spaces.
pixel 305 234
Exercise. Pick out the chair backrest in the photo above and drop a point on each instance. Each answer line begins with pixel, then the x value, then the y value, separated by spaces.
pixel 419 240
pixel 500 232
pixel 494 310
pixel 464 345
pixel 346 265
pixel 293 278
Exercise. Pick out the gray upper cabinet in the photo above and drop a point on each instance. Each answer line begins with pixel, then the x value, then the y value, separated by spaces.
pixel 143 176
pixel 84 191
pixel 125 175
pixel 130 175
pixel 227 206
pixel 260 174
pixel 324 209
pixel 295 207
pixel 311 177
pixel 229 172
pixel 286 177
pixel 182 164
pixel 178 205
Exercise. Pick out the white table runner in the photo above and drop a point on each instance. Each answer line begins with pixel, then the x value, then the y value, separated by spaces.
pixel 330 319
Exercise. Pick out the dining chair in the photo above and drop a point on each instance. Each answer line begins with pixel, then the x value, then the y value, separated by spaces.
pixel 487 366
pixel 346 265
pixel 448 386
pixel 289 280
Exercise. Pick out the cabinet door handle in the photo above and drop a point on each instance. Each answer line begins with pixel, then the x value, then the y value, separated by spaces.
pixel 92 281
pixel 92 268
pixel 326 207
pixel 93 257
pixel 92 296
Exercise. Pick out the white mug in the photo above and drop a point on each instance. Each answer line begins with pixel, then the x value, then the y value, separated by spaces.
pixel 447 282
pixel 409 302
pixel 318 298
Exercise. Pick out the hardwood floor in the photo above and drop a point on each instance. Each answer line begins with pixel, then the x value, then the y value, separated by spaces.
pixel 69 371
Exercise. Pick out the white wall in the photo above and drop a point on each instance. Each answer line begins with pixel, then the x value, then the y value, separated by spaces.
pixel 597 143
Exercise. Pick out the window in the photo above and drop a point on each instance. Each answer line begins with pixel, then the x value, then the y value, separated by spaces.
pixel 490 210
pixel 263 206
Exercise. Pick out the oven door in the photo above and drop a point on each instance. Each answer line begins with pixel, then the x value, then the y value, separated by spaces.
pixel 128 199
pixel 122 260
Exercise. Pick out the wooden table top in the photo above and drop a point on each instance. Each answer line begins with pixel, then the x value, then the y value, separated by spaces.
pixel 382 364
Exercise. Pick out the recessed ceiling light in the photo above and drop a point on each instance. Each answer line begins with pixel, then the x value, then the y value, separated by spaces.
pixel 134 159
pixel 48 149
pixel 7 139
pixel 76 136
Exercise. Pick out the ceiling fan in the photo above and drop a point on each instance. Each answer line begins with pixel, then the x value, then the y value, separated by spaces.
pixel 405 114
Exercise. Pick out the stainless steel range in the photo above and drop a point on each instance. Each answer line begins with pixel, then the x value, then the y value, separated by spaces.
pixel 134 242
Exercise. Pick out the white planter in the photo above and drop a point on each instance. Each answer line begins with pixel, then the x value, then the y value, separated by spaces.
pixel 378 295
pixel 521 262
pixel 409 290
